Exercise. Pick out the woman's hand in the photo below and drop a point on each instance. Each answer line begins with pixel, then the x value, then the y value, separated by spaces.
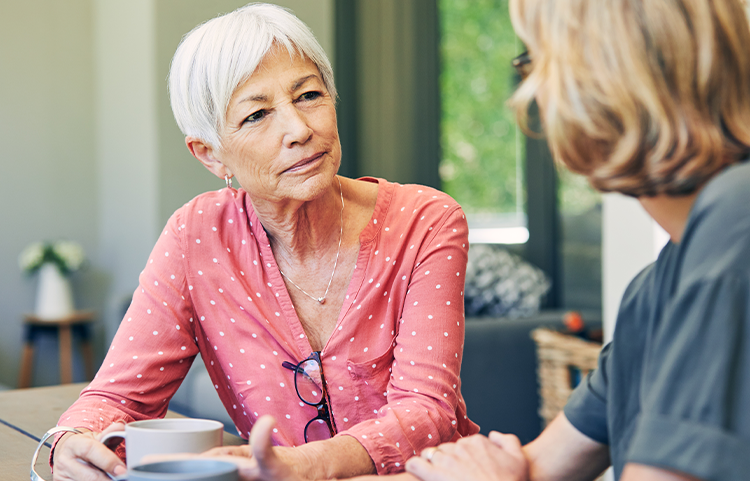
pixel 81 457
pixel 497 458
pixel 258 461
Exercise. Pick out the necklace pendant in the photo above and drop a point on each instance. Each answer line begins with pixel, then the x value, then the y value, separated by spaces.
pixel 322 300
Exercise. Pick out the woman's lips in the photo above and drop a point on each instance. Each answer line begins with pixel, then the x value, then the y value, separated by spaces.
pixel 305 162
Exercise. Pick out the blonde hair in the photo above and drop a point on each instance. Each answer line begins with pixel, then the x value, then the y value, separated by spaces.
pixel 217 56
pixel 644 97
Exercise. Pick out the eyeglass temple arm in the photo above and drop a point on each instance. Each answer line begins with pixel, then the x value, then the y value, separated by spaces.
pixel 291 367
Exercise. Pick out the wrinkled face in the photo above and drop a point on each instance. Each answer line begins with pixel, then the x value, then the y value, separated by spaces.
pixel 281 140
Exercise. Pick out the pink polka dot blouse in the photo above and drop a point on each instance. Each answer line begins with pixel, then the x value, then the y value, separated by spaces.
pixel 211 285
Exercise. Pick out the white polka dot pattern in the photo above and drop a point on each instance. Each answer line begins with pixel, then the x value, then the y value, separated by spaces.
pixel 385 372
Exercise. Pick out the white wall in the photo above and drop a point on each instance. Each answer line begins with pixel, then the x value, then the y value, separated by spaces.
pixel 126 144
pixel 48 174
pixel 630 241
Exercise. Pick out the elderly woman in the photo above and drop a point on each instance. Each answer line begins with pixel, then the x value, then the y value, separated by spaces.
pixel 649 98
pixel 361 278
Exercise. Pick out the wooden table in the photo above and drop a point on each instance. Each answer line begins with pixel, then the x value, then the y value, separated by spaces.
pixel 16 450
pixel 26 414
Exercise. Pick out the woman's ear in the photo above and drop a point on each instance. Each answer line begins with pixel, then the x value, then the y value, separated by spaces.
pixel 206 155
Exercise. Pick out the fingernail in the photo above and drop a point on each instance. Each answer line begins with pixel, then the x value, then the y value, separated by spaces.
pixel 120 470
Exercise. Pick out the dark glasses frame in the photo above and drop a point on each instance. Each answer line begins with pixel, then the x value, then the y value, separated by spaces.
pixel 323 406
pixel 522 64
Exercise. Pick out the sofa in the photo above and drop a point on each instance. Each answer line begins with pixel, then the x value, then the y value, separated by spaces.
pixel 499 371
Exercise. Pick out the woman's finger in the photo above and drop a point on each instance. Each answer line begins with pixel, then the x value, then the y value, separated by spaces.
pixel 428 453
pixel 111 428
pixel 77 470
pixel 423 469
pixel 270 467
pixel 508 442
pixel 93 452
pixel 81 455
pixel 260 439
pixel 473 457
pixel 243 450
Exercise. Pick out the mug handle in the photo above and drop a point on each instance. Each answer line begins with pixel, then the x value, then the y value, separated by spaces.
pixel 111 440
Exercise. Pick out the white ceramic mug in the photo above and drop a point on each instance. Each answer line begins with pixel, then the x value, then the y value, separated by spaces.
pixel 166 436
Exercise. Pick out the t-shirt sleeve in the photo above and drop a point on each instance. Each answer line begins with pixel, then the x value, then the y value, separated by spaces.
pixel 586 408
pixel 696 384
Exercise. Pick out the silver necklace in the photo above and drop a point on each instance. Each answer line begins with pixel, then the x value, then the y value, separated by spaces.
pixel 322 300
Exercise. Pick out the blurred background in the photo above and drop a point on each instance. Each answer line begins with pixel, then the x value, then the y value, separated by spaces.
pixel 91 152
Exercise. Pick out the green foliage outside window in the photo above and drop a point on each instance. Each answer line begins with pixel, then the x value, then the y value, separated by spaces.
pixel 483 150
pixel 480 142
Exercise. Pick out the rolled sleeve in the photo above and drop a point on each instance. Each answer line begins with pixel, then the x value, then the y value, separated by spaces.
pixel 695 389
pixel 704 451
pixel 586 408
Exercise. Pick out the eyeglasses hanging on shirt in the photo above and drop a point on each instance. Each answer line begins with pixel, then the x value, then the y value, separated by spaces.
pixel 310 385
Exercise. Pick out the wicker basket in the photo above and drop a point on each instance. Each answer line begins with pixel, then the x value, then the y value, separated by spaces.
pixel 562 358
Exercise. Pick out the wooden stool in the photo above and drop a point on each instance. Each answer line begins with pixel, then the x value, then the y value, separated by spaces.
pixel 78 323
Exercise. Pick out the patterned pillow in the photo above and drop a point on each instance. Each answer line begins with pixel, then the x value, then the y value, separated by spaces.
pixel 499 283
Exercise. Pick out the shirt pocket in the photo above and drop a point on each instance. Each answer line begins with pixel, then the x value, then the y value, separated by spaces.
pixel 370 380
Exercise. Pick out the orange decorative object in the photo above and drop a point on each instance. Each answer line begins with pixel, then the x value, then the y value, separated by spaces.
pixel 573 321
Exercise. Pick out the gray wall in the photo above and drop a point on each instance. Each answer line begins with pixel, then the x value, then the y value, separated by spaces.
pixel 90 150
pixel 48 183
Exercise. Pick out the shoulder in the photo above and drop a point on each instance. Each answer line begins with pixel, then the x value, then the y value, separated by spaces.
pixel 427 196
pixel 427 201
pixel 209 207
pixel 717 236
pixel 212 220
pixel 647 288
pixel 725 198
pixel 639 289
pixel 415 193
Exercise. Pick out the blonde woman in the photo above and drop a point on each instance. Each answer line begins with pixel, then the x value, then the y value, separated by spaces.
pixel 649 98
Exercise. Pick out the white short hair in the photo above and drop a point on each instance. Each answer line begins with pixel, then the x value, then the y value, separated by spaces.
pixel 219 55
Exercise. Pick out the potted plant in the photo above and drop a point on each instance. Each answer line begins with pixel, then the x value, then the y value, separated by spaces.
pixel 54 261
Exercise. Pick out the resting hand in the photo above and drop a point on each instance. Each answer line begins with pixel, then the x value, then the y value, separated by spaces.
pixel 259 461
pixel 497 458
pixel 77 457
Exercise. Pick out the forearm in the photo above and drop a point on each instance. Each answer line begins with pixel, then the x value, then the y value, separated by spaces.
pixel 339 457
pixel 563 452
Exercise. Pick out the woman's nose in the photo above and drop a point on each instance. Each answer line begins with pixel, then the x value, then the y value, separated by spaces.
pixel 295 126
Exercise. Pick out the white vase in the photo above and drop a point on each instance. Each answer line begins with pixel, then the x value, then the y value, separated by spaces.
pixel 54 296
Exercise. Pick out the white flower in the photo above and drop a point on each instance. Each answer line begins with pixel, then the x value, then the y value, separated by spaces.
pixel 31 257
pixel 68 256
pixel 70 253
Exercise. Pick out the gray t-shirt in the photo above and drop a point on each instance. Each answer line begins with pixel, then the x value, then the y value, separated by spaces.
pixel 672 389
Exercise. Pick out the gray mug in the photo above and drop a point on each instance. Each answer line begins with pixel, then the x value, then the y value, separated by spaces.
pixel 184 470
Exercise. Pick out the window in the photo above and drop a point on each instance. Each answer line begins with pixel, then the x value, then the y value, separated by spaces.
pixel 389 84
pixel 484 158
pixel 483 150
